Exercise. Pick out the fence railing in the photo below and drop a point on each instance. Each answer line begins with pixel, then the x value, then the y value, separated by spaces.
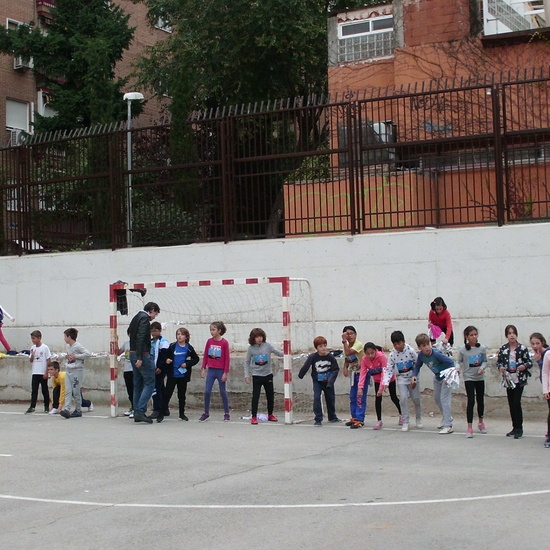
pixel 463 155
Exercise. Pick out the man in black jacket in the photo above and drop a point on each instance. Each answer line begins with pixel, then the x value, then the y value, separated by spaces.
pixel 142 362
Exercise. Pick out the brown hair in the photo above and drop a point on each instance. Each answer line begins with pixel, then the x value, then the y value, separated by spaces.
pixel 319 341
pixel 422 339
pixel 156 325
pixel 255 332
pixel 72 333
pixel 220 326
pixel 36 334
pixel 185 332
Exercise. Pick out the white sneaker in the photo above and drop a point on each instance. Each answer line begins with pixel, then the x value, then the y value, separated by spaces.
pixel 419 424
pixel 447 430
pixel 442 423
pixel 91 407
pixel 131 415
pixel 128 412
pixel 54 411
pixel 405 427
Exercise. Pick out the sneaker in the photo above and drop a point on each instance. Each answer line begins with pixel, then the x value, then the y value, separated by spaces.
pixel 419 424
pixel 91 407
pixel 128 412
pixel 29 410
pixel 272 418
pixel 46 410
pixel 350 422
pixel 204 417
pixel 378 425
pixel 54 411
pixel 76 414
pixel 400 422
pixel 160 418
pixel 131 415
pixel 335 421
pixel 511 434
pixel 405 427
pixel 317 423
pixel 226 417
pixel 154 414
pixel 547 443
pixel 254 420
pixel 446 430
pixel 356 425
pixel 183 417
pixel 482 428
pixel 469 433
pixel 140 417
pixel 65 413
pixel 442 423
pixel 11 352
pixel 518 434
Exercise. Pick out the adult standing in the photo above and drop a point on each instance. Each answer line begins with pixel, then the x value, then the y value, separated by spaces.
pixel 142 362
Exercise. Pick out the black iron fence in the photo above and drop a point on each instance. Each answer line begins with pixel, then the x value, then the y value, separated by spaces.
pixel 461 155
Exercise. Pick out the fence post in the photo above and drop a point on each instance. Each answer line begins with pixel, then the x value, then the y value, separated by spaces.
pixel 228 205
pixel 353 145
pixel 499 158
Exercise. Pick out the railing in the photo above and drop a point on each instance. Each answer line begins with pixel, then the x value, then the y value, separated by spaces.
pixel 463 155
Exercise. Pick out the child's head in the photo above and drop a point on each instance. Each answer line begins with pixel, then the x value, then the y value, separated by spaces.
pixel 424 344
pixel 36 337
pixel 351 333
pixel 71 334
pixel 438 305
pixel 398 340
pixel 156 329
pixel 538 341
pixel 257 336
pixel 217 328
pixel 470 337
pixel 370 349
pixel 321 345
pixel 511 332
pixel 182 335
pixel 53 369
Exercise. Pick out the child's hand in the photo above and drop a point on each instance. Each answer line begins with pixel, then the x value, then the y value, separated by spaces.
pixel 203 373
pixel 480 371
pixel 346 370
pixel 381 390
pixel 547 396
pixel 247 380
pixel 413 382
pixel 501 369
pixel 522 367
pixel 224 377
pixel 157 371
pixel 169 361
pixel 13 320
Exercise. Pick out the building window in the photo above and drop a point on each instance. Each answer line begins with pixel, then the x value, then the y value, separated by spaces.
pixel 366 39
pixel 503 16
pixel 17 120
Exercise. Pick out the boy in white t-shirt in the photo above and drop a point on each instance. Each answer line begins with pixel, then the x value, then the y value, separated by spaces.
pixel 40 359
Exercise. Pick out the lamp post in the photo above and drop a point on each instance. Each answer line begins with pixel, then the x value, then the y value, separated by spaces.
pixel 129 97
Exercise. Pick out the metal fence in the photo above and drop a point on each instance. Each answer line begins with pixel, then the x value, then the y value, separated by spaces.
pixel 453 156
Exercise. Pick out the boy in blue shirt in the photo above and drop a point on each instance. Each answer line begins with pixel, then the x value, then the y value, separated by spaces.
pixel 436 362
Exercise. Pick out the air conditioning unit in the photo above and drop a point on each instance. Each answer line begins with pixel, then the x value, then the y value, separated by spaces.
pixel 21 63
pixel 16 137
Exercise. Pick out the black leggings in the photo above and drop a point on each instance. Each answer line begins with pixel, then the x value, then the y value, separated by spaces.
pixel 378 400
pixel 514 402
pixel 475 390
pixel 267 383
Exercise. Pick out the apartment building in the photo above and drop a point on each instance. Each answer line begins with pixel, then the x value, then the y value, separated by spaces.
pixel 20 95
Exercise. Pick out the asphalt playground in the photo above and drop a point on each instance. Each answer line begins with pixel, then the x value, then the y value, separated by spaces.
pixel 96 483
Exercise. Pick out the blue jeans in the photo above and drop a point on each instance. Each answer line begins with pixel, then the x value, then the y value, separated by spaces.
pixel 358 411
pixel 211 376
pixel 144 380
pixel 330 400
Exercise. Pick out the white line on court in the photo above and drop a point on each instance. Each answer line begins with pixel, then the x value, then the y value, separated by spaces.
pixel 4 455
pixel 278 506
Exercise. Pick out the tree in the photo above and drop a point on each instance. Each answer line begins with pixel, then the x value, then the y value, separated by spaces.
pixel 76 59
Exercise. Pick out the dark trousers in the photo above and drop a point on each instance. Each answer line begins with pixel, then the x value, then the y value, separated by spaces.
pixel 129 381
pixel 330 400
pixel 514 402
pixel 158 398
pixel 57 393
pixel 181 384
pixel 378 400
pixel 37 381
pixel 475 390
pixel 267 383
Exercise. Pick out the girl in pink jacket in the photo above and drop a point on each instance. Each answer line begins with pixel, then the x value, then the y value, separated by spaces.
pixel 546 392
pixel 373 364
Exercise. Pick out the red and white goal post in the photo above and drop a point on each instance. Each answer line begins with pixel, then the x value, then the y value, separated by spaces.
pixel 280 305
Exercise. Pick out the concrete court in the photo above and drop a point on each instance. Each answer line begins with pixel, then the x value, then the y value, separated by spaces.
pixel 96 483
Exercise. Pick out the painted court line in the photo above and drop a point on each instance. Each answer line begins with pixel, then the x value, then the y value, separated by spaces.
pixel 277 506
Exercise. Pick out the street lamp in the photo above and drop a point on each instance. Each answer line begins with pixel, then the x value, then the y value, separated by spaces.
pixel 129 97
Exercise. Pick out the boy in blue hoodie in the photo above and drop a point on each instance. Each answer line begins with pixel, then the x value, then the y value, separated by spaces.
pixel 436 362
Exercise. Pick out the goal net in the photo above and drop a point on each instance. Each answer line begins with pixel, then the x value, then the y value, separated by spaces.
pixel 281 306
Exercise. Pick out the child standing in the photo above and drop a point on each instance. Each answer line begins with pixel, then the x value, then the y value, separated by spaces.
pixel 128 374
pixel 440 317
pixel 215 366
pixel 159 353
pixel 258 361
pixel 75 374
pixel 40 359
pixel 373 364
pixel 353 355
pixel 4 313
pixel 58 383
pixel 181 358
pixel 324 371
pixel 436 362
pixel 401 363
pixel 472 358
pixel 540 347
pixel 514 359
pixel 546 393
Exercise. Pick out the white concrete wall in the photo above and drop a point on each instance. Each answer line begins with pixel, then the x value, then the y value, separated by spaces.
pixel 380 282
